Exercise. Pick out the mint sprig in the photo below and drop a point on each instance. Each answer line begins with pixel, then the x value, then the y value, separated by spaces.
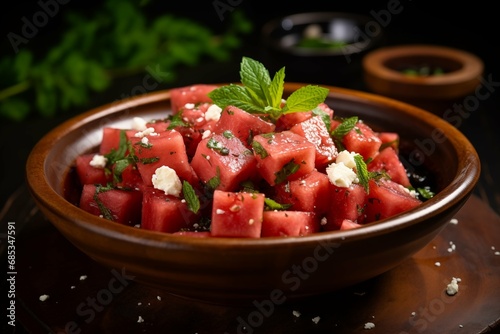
pixel 259 94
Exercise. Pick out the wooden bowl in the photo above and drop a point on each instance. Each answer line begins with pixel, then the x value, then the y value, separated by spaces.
pixel 235 270
pixel 422 74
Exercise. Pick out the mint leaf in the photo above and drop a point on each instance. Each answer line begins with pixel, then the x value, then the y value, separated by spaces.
pixel 347 125
pixel 271 205
pixel 255 77
pixel 234 95
pixel 362 172
pixel 305 98
pixel 193 202
pixel 276 88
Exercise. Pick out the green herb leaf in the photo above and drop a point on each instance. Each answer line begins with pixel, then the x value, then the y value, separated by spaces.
pixel 305 99
pixel 214 182
pixel 288 169
pixel 104 210
pixel 192 200
pixel 271 205
pixel 362 171
pixel 426 192
pixel 259 149
pixel 258 94
pixel 345 127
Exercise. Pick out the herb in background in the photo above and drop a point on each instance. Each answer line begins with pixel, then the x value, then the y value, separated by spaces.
pixel 119 40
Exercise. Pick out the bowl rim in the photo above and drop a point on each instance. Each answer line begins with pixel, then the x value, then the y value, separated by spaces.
pixel 472 66
pixel 305 18
pixel 461 186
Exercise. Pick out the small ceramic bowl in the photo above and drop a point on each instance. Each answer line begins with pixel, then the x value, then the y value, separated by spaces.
pixel 422 74
pixel 324 47
pixel 237 270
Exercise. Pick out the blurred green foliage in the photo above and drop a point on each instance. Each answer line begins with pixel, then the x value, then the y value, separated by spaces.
pixel 118 40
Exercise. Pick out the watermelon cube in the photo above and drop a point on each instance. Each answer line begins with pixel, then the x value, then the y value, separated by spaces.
pixel 363 140
pixel 287 121
pixel 193 94
pixel 386 199
pixel 348 224
pixel 283 156
pixel 308 193
pixel 163 149
pixel 226 158
pixel 111 139
pixel 345 203
pixel 165 213
pixel 242 124
pixel 88 174
pixel 315 131
pixel 237 214
pixel 289 223
pixel 388 161
pixel 121 206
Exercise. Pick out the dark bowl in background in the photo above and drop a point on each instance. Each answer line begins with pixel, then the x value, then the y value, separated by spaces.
pixel 358 34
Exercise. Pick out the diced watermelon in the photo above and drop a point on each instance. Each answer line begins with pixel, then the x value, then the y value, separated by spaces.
pixel 389 139
pixel 121 206
pixel 386 199
pixel 348 224
pixel 129 178
pixel 242 124
pixel 308 193
pixel 111 139
pixel 363 140
pixel 237 214
pixel 165 213
pixel 224 157
pixel 315 131
pixel 193 94
pixel 345 203
pixel 289 223
pixel 388 161
pixel 88 174
pixel 283 156
pixel 287 121
pixel 165 149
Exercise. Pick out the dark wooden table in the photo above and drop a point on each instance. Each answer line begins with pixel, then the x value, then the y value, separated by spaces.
pixel 408 299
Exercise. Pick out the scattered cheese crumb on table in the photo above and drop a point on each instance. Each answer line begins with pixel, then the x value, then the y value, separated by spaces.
pixel 44 297
pixel 369 325
pixel 140 319
pixel 316 319
pixel 83 277
pixel 296 313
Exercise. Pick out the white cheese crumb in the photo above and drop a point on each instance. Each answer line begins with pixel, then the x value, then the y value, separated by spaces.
pixel 369 325
pixel 323 221
pixel 139 124
pixel 461 326
pixel 44 298
pixel 316 319
pixel 83 277
pixel 492 247
pixel 139 303
pixel 296 314
pixel 251 221
pixel 98 161
pixel 220 211
pixel 452 247
pixel 213 113
pixel 413 314
pixel 437 264
pixel 452 287
pixel 72 287
pixel 166 179
pixel 206 134
pixel 347 158
pixel 189 106
pixel 454 221
pixel 149 131
pixel 158 297
pixel 140 319
pixel 340 175
pixel 497 253
pixel 145 140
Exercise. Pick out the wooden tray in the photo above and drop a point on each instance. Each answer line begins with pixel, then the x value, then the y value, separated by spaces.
pixel 408 299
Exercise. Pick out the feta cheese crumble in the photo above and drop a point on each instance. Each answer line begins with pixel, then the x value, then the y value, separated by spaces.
pixel 347 158
pixel 213 113
pixel 340 175
pixel 296 314
pixel 166 179
pixel 316 320
pixel 139 124
pixel 454 221
pixel 83 277
pixel 369 325
pixel 98 161
pixel 452 287
pixel 43 298
pixel 140 319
